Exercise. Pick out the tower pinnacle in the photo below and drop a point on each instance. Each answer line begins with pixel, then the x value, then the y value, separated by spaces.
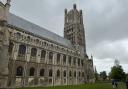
pixel 74 6
pixel 8 2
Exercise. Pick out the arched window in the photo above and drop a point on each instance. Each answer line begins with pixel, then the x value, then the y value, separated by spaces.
pixel 37 41
pixel 32 71
pixel 33 52
pixel 58 73
pixel 11 45
pixel 78 62
pixel 58 58
pixel 42 72
pixel 82 63
pixel 28 38
pixel 64 59
pixel 19 71
pixel 82 74
pixel 69 60
pixel 64 73
pixel 43 54
pixel 74 61
pixel 18 35
pixel 1 35
pixel 50 73
pixel 74 73
pixel 70 73
pixel 51 55
pixel 79 74
pixel 22 50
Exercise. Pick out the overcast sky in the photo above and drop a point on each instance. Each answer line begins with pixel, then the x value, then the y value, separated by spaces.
pixel 106 25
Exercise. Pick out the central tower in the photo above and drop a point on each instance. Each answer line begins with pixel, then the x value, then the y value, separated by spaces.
pixel 74 28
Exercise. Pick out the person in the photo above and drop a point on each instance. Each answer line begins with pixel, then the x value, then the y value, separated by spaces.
pixel 127 83
pixel 113 83
pixel 116 83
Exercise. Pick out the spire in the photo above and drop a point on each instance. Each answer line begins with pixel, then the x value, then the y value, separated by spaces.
pixel 8 2
pixel 116 63
pixel 7 8
pixel 91 57
pixel 95 70
pixel 74 6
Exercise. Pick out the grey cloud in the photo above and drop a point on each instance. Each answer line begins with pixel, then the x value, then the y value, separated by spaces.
pixel 116 49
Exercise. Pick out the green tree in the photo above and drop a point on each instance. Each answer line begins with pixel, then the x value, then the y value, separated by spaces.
pixel 103 75
pixel 117 72
pixel 126 76
pixel 96 76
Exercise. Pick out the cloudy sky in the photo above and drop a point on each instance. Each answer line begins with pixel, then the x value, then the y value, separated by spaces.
pixel 106 25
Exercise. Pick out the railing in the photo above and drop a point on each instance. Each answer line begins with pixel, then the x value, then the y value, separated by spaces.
pixel 42 60
pixel 21 57
pixel 32 59
pixel 50 61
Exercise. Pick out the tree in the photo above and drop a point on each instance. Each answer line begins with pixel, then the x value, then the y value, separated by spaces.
pixel 117 72
pixel 126 76
pixel 103 75
pixel 96 76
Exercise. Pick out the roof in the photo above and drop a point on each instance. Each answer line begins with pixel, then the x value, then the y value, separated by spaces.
pixel 37 30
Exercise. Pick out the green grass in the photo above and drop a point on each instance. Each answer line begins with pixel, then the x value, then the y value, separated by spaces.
pixel 87 86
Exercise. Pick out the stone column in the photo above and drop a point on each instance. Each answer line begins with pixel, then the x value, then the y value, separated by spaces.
pixel 11 80
pixel 47 68
pixel 47 57
pixel 28 52
pixel 15 55
pixel 38 55
pixel 53 68
pixel 61 72
pixel 67 69
pixel 4 57
pixel 54 58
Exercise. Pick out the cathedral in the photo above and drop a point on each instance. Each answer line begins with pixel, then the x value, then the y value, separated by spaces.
pixel 32 56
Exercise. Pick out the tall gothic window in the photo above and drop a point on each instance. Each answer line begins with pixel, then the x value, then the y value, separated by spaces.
pixel 64 59
pixel 64 73
pixel 74 61
pixel 50 73
pixel 32 71
pixel 50 57
pixel 82 62
pixel 42 72
pixel 19 71
pixel 74 73
pixel 82 74
pixel 58 58
pixel 58 73
pixel 11 45
pixel 43 54
pixel 78 62
pixel 22 50
pixel 79 74
pixel 70 73
pixel 70 60
pixel 33 52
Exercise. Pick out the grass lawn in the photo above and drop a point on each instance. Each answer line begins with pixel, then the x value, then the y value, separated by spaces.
pixel 87 86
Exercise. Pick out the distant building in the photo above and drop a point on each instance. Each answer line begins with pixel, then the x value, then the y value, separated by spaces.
pixel 33 56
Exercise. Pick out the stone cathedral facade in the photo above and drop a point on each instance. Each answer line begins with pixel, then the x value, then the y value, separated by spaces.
pixel 33 56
